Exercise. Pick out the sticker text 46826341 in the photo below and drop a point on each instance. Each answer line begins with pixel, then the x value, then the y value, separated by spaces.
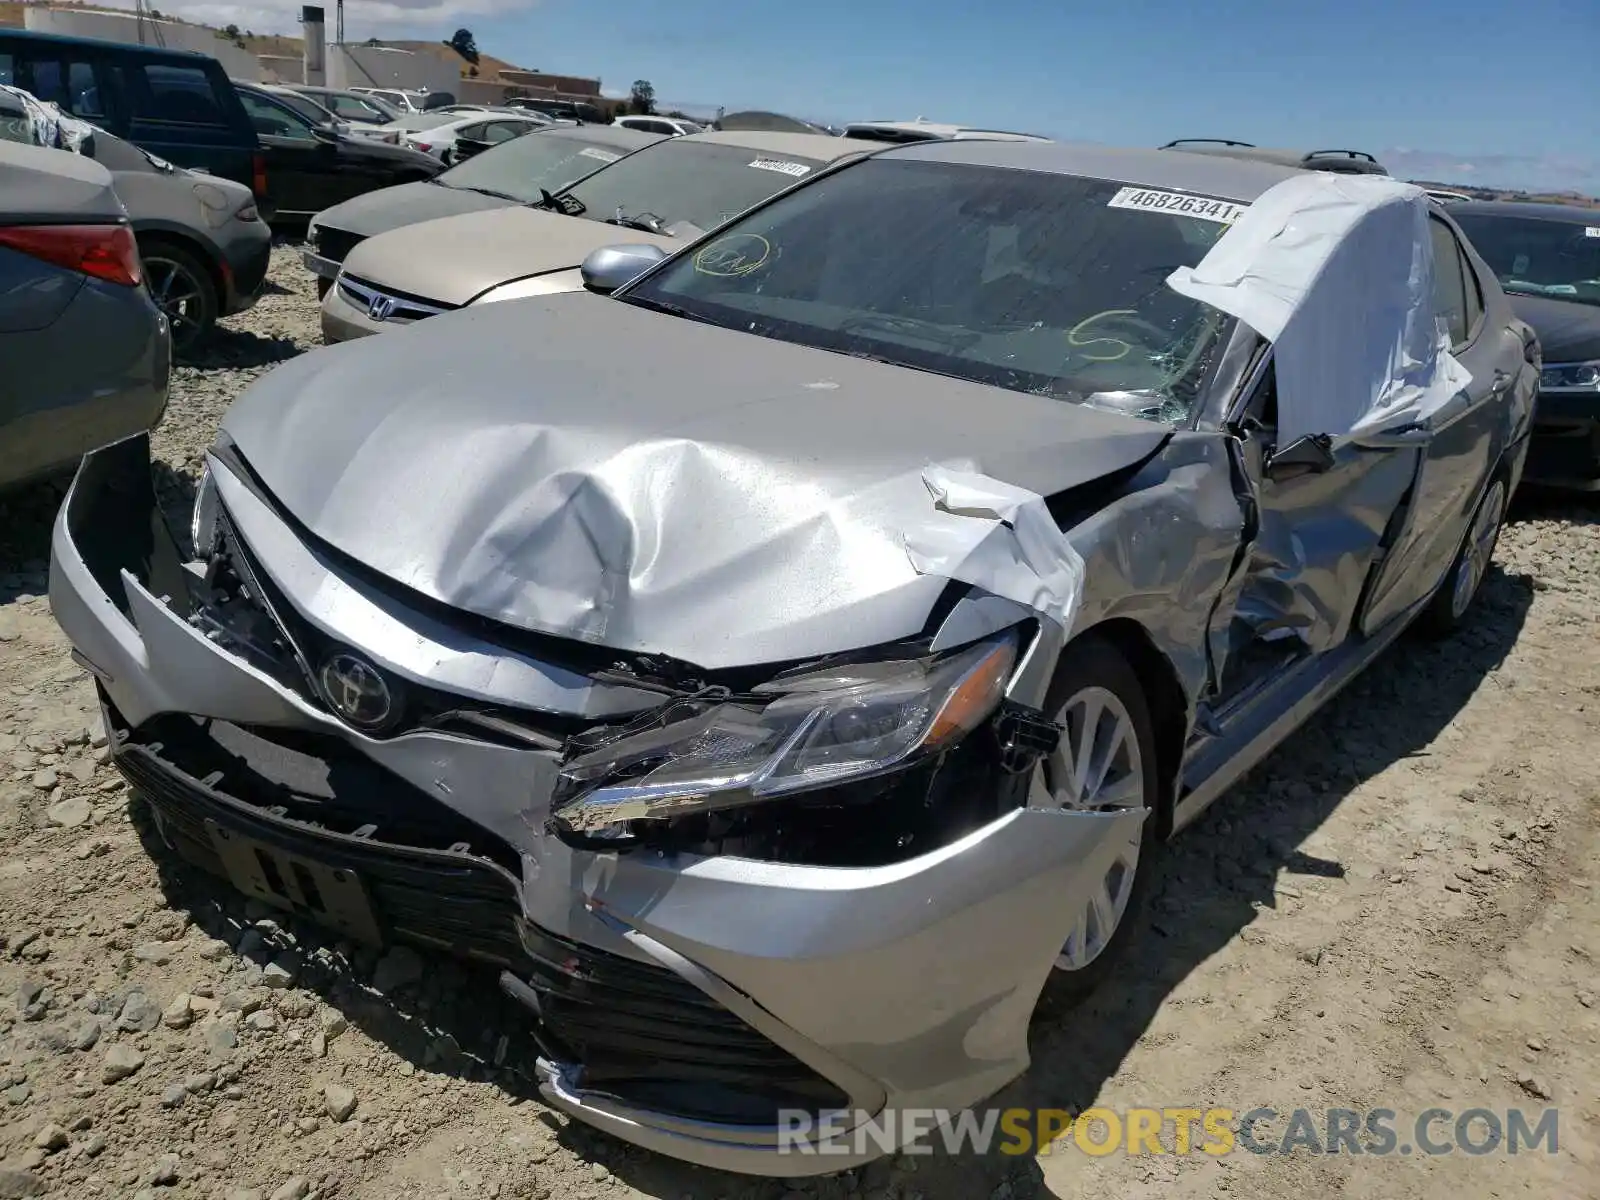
pixel 1225 212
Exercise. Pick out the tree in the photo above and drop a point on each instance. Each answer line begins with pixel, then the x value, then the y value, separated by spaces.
pixel 232 31
pixel 642 100
pixel 464 44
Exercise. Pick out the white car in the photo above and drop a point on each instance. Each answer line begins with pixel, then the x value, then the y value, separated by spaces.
pixel 396 98
pixel 669 126
pixel 439 141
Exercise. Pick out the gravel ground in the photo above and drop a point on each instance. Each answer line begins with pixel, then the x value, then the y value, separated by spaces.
pixel 1397 910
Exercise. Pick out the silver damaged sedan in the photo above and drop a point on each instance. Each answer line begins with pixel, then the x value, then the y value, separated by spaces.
pixel 781 665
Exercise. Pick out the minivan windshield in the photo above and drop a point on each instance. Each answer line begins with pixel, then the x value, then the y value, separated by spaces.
pixel 703 183
pixel 1037 282
pixel 1538 257
pixel 523 169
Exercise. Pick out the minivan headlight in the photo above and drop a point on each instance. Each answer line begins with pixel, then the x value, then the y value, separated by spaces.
pixel 830 727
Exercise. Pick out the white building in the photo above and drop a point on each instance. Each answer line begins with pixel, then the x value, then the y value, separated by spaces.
pixel 129 27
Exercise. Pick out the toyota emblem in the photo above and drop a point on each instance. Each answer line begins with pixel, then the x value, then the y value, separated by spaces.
pixel 380 308
pixel 356 690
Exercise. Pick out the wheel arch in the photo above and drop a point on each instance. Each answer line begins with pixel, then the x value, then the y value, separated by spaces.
pixel 1168 703
pixel 181 239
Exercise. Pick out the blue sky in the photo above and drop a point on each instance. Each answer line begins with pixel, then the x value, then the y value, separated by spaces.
pixel 1464 90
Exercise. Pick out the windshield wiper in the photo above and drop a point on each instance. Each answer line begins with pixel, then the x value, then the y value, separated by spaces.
pixel 648 222
pixel 461 187
pixel 670 309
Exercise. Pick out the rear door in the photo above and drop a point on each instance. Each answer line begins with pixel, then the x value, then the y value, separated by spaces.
pixel 1462 442
pixel 180 112
pixel 301 170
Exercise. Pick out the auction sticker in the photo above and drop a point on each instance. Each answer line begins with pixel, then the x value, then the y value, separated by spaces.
pixel 781 166
pixel 1591 231
pixel 1224 212
pixel 602 155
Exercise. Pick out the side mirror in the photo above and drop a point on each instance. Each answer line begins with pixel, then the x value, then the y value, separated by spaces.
pixel 608 268
pixel 1309 455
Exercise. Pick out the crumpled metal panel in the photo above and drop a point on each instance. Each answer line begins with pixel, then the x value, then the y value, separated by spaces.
pixel 756 516
pixel 1318 539
pixel 1166 553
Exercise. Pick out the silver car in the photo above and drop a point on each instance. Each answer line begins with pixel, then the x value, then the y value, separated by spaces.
pixel 518 172
pixel 668 193
pixel 783 703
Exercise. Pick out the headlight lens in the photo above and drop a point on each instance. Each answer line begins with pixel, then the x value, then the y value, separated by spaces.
pixel 203 522
pixel 820 729
pixel 1583 376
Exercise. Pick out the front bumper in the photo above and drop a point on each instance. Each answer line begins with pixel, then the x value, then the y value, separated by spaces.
pixel 326 268
pixel 684 1003
pixel 1564 451
pixel 248 261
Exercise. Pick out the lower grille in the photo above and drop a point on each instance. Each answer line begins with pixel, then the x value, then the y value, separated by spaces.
pixel 641 1033
pixel 451 899
pixel 650 1038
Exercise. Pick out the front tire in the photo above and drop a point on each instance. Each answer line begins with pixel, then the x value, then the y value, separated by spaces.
pixel 1448 609
pixel 181 285
pixel 1106 762
pixel 324 286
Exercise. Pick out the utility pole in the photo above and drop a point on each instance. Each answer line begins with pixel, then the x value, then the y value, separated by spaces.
pixel 338 23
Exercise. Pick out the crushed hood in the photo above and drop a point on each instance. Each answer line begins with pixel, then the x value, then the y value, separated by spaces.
pixel 712 495
pixel 456 259
pixel 1568 331
pixel 404 204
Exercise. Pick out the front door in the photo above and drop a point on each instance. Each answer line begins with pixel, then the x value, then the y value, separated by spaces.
pixel 1322 511
pixel 1460 444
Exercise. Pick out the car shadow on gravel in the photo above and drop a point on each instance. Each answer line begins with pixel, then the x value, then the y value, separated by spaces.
pixel 1532 503
pixel 233 349
pixel 27 515
pixel 1210 884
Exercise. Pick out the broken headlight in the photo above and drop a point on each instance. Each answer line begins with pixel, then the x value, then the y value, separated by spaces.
pixel 203 521
pixel 827 727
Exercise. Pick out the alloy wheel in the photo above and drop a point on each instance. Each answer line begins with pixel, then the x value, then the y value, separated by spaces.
pixel 1096 768
pixel 180 295
pixel 1479 550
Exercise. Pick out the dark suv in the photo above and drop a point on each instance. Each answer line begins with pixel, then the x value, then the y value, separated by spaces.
pixel 1343 162
pixel 174 103
pixel 562 110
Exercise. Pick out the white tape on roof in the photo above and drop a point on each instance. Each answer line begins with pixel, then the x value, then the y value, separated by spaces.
pixel 1337 272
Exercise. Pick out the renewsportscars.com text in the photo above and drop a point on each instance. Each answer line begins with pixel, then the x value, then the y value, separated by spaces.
pixel 1377 1132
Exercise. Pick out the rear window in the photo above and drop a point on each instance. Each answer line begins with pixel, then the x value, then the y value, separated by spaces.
pixel 181 95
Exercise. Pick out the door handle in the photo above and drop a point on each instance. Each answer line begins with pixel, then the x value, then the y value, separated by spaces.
pixel 1502 381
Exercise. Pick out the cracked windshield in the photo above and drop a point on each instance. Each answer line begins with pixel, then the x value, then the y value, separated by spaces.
pixel 1035 282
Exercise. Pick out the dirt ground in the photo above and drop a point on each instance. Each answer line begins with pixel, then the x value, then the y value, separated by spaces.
pixel 1397 910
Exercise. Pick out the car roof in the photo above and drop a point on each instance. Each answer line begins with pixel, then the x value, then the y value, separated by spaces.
pixel 619 136
pixel 1570 214
pixel 821 147
pixel 1238 179
pixel 1355 162
pixel 933 129
pixel 129 48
